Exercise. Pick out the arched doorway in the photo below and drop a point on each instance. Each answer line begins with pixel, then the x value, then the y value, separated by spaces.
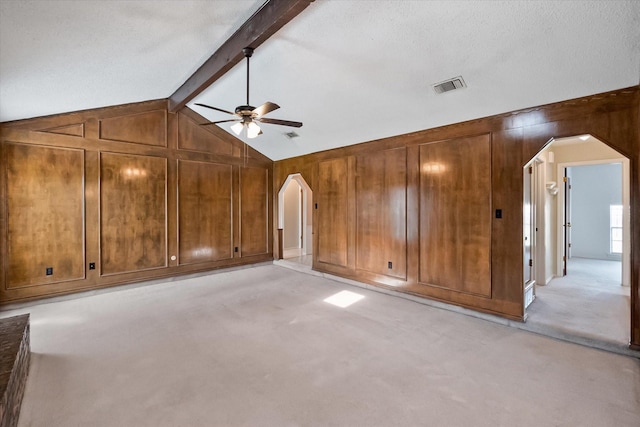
pixel 581 249
pixel 295 218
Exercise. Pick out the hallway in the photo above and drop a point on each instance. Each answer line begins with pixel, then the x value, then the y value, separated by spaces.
pixel 588 302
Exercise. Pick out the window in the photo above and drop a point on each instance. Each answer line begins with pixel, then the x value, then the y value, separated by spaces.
pixel 615 222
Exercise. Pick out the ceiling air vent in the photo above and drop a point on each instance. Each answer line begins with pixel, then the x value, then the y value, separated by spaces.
pixel 449 85
pixel 291 135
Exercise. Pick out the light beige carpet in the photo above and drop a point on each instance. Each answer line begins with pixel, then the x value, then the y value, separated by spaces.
pixel 589 301
pixel 260 347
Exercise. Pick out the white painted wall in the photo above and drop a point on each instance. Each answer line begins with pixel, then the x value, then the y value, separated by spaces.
pixel 545 219
pixel 594 188
pixel 550 220
pixel 307 211
pixel 291 229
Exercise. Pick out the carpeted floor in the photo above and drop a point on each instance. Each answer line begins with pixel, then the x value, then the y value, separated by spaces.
pixel 588 301
pixel 261 347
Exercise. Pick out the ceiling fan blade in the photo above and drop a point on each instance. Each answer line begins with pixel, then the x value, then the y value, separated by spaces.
pixel 265 108
pixel 219 121
pixel 214 108
pixel 280 122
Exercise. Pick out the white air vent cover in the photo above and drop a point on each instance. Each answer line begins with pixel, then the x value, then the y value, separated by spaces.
pixel 449 85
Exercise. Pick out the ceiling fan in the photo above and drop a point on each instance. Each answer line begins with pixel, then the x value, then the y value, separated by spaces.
pixel 248 116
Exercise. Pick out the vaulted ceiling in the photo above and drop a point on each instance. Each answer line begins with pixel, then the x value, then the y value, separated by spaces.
pixel 351 71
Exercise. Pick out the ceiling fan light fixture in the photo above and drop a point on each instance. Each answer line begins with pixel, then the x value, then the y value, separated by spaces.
pixel 253 130
pixel 246 114
pixel 237 128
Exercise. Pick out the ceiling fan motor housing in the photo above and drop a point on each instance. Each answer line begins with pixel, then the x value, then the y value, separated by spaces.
pixel 245 110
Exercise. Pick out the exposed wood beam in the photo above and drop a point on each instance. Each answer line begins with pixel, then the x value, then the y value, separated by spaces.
pixel 271 16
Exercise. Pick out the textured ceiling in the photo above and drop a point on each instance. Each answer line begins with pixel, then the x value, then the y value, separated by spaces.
pixel 62 56
pixel 351 71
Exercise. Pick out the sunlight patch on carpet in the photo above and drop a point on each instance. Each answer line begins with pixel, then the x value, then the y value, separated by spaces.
pixel 344 299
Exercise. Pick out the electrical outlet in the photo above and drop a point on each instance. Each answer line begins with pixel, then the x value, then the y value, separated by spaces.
pixel 49 271
pixel 389 265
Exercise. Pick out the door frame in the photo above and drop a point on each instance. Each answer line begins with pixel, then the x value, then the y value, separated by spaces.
pixel 529 203
pixel 307 212
pixel 566 219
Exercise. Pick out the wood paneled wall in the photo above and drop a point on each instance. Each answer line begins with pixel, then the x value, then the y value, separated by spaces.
pixel 124 194
pixel 206 220
pixel 455 215
pixel 427 202
pixel 381 213
pixel 333 246
pixel 53 201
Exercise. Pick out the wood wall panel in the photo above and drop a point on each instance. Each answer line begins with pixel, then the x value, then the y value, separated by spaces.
pixel 133 207
pixel 76 129
pixel 332 211
pixel 45 200
pixel 192 136
pixel 148 128
pixel 204 211
pixel 254 207
pixel 507 175
pixel 381 213
pixel 455 214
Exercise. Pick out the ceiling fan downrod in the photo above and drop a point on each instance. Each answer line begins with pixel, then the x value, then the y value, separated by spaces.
pixel 248 51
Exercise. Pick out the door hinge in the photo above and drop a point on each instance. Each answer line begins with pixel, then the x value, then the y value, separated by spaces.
pixel 569 244
pixel 564 258
pixel 530 263
pixel 530 170
pixel 564 179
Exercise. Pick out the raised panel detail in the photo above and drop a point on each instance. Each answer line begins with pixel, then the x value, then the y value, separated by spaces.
pixel 45 200
pixel 76 129
pixel 204 211
pixel 149 128
pixel 192 136
pixel 455 215
pixel 381 213
pixel 132 212
pixel 333 212
pixel 254 215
